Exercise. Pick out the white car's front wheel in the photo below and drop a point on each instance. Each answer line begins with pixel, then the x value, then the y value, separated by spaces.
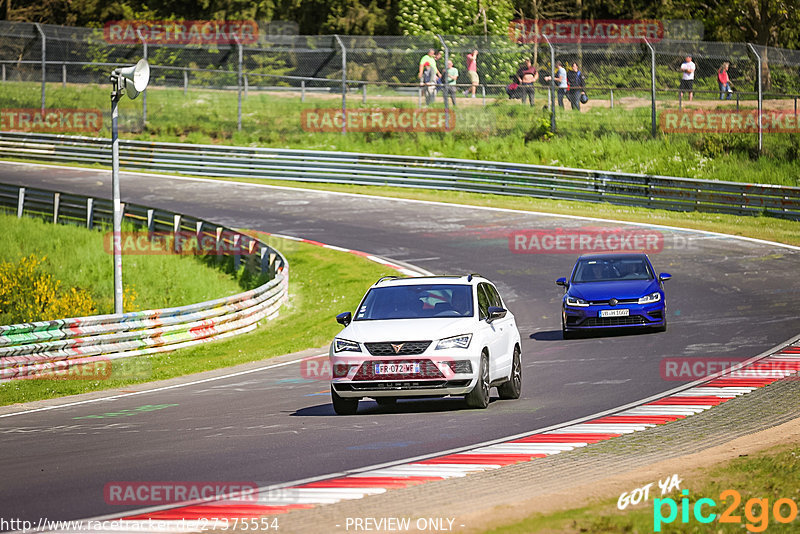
pixel 343 406
pixel 479 396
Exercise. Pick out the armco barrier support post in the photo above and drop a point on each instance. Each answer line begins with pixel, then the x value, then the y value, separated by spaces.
pixel 56 206
pixel 176 228
pixel 20 202
pixel 760 98
pixel 652 88
pixel 44 60
pixel 344 83
pixel 150 224
pixel 89 213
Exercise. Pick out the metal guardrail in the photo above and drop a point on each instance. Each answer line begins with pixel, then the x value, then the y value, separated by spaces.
pixel 42 348
pixel 663 192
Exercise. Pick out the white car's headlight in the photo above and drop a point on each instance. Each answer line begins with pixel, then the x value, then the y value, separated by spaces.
pixel 573 301
pixel 651 298
pixel 345 345
pixel 455 342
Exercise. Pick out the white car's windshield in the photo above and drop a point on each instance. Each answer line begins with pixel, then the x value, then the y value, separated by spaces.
pixel 611 269
pixel 416 301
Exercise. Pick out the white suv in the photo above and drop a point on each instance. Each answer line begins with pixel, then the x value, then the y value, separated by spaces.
pixel 424 337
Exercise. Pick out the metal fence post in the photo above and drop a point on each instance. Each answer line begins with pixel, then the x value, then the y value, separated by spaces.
pixel 445 82
pixel 760 99
pixel 44 60
pixel 652 88
pixel 344 83
pixel 63 75
pixel 239 84
pixel 552 85
pixel 185 81
pixel 144 93
pixel 302 90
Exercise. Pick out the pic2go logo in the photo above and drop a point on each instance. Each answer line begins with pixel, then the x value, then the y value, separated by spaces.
pixel 756 511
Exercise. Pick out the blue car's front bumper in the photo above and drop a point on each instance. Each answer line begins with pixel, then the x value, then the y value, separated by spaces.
pixel 639 315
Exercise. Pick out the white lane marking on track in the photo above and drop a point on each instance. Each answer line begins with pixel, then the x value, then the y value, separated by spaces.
pixel 429 202
pixel 163 388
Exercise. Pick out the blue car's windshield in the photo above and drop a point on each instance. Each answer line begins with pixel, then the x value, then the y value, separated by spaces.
pixel 416 301
pixel 611 269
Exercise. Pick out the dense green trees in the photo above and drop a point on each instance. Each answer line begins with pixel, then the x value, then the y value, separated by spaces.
pixel 765 22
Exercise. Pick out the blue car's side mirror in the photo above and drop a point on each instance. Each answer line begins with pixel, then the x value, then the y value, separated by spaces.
pixel 561 282
pixel 664 276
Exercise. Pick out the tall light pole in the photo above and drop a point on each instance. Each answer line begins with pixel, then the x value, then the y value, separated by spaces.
pixel 132 81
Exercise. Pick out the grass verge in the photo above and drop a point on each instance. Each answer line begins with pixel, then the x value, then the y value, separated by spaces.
pixel 771 475
pixel 323 283
pixel 616 139
pixel 77 258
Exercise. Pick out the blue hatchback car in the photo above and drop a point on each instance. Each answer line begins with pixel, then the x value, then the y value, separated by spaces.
pixel 612 291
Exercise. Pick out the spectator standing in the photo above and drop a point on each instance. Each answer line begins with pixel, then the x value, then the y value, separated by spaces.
pixel 527 75
pixel 472 72
pixel 724 81
pixel 451 75
pixel 687 77
pixel 561 81
pixel 428 74
pixel 576 85
pixel 428 81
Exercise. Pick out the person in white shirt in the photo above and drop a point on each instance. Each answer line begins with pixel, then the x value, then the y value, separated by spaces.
pixel 687 77
pixel 561 80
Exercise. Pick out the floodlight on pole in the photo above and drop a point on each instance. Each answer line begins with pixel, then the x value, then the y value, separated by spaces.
pixel 131 81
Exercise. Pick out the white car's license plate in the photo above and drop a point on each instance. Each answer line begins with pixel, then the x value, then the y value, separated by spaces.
pixel 620 312
pixel 397 368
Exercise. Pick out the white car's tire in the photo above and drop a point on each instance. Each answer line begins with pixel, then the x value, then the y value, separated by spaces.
pixel 513 387
pixel 343 406
pixel 479 396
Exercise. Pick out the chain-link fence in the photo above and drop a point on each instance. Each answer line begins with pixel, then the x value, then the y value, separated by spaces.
pixel 627 87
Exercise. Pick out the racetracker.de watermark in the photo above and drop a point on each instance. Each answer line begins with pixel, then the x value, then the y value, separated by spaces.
pixel 378 120
pixel 162 32
pixel 585 31
pixel 51 120
pixel 584 241
pixel 687 369
pixel 727 121
pixel 171 492
pixel 99 368
pixel 145 243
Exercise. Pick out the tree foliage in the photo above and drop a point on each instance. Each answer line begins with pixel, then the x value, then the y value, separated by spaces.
pixel 454 17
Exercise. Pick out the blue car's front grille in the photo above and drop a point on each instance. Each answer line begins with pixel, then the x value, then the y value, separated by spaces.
pixel 630 320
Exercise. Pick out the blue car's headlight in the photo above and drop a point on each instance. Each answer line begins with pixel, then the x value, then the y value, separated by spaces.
pixel 651 298
pixel 573 301
pixel 456 342
pixel 345 345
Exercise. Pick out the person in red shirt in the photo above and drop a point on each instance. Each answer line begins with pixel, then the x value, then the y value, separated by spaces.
pixel 724 82
pixel 472 72
pixel 526 77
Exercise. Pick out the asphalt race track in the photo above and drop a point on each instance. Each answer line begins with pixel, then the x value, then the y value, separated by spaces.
pixel 728 297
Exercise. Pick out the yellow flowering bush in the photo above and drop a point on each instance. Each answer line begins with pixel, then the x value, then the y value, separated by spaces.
pixel 29 294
